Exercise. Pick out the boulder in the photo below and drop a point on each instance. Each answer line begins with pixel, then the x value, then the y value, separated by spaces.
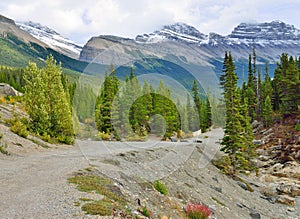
pixel 7 90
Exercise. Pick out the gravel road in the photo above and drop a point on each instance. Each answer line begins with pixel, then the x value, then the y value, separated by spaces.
pixel 35 186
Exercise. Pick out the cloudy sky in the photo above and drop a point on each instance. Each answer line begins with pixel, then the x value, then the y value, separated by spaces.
pixel 81 19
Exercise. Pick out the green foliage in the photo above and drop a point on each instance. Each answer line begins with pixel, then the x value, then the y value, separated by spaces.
pixel 297 127
pixel 3 146
pixel 48 102
pixel 101 185
pixel 113 198
pixel 286 86
pixel 224 164
pixel 237 141
pixel 146 212
pixel 105 102
pixel 20 129
pixel 104 136
pixel 101 207
pixel 267 112
pixel 13 77
pixel 18 126
pixel 160 187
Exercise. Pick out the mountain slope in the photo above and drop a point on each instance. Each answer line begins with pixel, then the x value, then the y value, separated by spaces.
pixel 51 38
pixel 8 26
pixel 17 48
pixel 198 53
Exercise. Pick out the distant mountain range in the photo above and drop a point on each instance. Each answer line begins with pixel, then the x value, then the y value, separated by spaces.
pixel 179 50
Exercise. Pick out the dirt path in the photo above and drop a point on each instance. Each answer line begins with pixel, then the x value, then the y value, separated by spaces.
pixel 35 186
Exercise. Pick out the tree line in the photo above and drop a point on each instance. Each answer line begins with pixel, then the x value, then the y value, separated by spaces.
pixel 265 100
pixel 129 108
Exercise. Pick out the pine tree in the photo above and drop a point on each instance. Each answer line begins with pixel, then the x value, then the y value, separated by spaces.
pixel 237 140
pixel 192 117
pixel 198 104
pixel 286 97
pixel 105 102
pixel 267 112
pixel 259 96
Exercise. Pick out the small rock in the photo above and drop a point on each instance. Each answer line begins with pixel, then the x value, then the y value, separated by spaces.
pixel 254 214
pixel 240 205
pixel 291 209
pixel 215 179
pixel 258 142
pixel 263 158
pixel 242 185
pixel 270 199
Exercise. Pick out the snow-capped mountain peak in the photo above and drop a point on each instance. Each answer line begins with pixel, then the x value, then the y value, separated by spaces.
pixel 50 37
pixel 177 31
pixel 275 30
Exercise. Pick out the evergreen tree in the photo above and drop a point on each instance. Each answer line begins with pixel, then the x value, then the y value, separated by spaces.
pixel 286 95
pixel 36 103
pixel 237 140
pixel 198 104
pixel 259 96
pixel 104 103
pixel 267 112
pixel 47 102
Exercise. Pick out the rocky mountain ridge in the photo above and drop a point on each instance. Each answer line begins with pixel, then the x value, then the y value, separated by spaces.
pixel 243 33
pixel 50 37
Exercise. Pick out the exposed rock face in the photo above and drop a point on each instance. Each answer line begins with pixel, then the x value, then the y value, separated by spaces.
pixel 7 90
pixel 275 30
pixel 6 20
pixel 279 162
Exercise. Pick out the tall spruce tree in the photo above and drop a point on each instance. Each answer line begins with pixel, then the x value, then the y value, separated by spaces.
pixel 104 103
pixel 237 138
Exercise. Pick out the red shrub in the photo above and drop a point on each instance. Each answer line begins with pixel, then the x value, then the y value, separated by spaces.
pixel 197 211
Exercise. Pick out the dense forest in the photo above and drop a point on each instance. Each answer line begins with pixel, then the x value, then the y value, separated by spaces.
pixel 132 109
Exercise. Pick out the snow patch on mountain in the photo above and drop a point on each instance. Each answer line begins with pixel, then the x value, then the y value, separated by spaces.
pixel 177 32
pixel 261 34
pixel 50 37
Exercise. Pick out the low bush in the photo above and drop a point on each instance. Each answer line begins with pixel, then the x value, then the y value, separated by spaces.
pixel 3 149
pixel 224 164
pixel 197 211
pixel 136 137
pixel 146 212
pixel 160 187
pixel 297 127
pixel 20 129
pixel 104 136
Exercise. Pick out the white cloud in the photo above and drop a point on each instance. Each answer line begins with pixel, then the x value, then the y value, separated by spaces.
pixel 79 20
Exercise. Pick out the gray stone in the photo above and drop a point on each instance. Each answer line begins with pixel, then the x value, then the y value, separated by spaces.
pixel 6 89
pixel 242 185
pixel 258 142
pixel 173 139
pixel 254 214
